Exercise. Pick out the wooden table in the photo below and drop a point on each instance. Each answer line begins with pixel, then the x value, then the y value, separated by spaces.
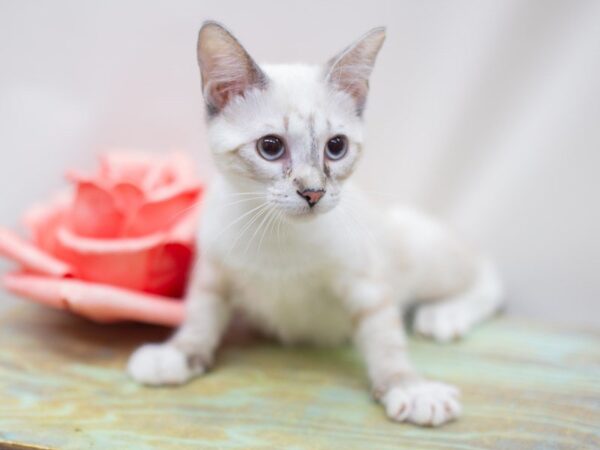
pixel 63 386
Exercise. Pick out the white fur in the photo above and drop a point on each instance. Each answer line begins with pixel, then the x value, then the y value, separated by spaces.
pixel 319 275
pixel 422 403
pixel 153 364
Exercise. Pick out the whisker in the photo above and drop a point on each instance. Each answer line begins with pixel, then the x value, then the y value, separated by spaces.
pixel 236 220
pixel 237 202
pixel 240 194
pixel 267 229
pixel 347 229
pixel 351 232
pixel 247 226
pixel 198 202
pixel 260 225
pixel 279 222
pixel 365 227
pixel 360 225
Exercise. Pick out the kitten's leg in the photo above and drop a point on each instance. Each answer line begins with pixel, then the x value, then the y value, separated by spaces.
pixel 456 287
pixel 453 317
pixel 190 351
pixel 379 335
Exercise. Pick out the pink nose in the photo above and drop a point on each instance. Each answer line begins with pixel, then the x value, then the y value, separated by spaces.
pixel 312 196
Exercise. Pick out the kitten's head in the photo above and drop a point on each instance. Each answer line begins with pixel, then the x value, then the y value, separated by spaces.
pixel 292 133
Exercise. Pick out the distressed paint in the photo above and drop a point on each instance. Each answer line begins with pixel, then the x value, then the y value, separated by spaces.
pixel 63 386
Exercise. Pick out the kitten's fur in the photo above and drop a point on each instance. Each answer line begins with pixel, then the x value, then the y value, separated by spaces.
pixel 322 274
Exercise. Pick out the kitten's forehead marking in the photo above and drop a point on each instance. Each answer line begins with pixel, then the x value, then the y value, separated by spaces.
pixel 314 141
pixel 272 127
pixel 286 123
pixel 304 139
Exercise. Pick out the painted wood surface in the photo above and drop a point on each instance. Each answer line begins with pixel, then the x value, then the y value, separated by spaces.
pixel 63 386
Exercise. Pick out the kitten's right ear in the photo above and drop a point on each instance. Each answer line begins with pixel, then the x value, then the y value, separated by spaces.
pixel 226 68
pixel 350 70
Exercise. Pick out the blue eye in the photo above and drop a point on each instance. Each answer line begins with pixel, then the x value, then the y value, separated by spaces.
pixel 270 147
pixel 336 147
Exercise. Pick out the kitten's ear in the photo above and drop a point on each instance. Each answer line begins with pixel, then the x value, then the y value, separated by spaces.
pixel 227 70
pixel 349 71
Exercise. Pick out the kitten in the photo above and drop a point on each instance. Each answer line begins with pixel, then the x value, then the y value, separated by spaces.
pixel 286 239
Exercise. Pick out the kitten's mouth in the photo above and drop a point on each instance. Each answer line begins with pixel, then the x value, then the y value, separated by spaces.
pixel 310 213
pixel 307 213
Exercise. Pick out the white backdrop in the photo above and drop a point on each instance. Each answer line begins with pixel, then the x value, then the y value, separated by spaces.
pixel 485 113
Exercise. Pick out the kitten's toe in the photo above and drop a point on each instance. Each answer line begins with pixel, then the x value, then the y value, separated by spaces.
pixel 161 364
pixel 425 403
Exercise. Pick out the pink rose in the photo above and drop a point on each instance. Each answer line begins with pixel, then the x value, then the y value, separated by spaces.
pixel 120 247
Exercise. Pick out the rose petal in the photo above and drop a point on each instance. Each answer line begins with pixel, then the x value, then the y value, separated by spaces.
pixel 76 177
pixel 96 301
pixel 158 176
pixel 88 245
pixel 161 215
pixel 155 263
pixel 127 166
pixel 168 270
pixel 42 221
pixel 130 225
pixel 186 229
pixel 31 257
pixel 172 190
pixel 94 212
pixel 181 165
pixel 127 197
pixel 119 262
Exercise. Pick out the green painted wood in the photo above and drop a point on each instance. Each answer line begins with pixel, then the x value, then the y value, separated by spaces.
pixel 63 386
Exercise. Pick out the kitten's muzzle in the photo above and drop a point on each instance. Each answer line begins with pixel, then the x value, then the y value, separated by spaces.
pixel 312 196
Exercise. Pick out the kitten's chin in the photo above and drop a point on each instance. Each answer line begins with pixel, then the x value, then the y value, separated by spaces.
pixel 307 214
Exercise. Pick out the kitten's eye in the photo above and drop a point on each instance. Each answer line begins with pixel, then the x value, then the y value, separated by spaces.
pixel 336 147
pixel 270 147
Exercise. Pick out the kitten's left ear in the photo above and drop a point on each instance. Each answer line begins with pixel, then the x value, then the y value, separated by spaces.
pixel 227 69
pixel 349 71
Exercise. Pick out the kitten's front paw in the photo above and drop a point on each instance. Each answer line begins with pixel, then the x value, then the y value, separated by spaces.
pixel 443 322
pixel 422 402
pixel 160 364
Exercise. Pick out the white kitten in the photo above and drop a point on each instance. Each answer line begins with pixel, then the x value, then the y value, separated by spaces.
pixel 289 243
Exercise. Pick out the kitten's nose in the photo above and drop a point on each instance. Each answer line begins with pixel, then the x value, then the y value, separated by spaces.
pixel 312 196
